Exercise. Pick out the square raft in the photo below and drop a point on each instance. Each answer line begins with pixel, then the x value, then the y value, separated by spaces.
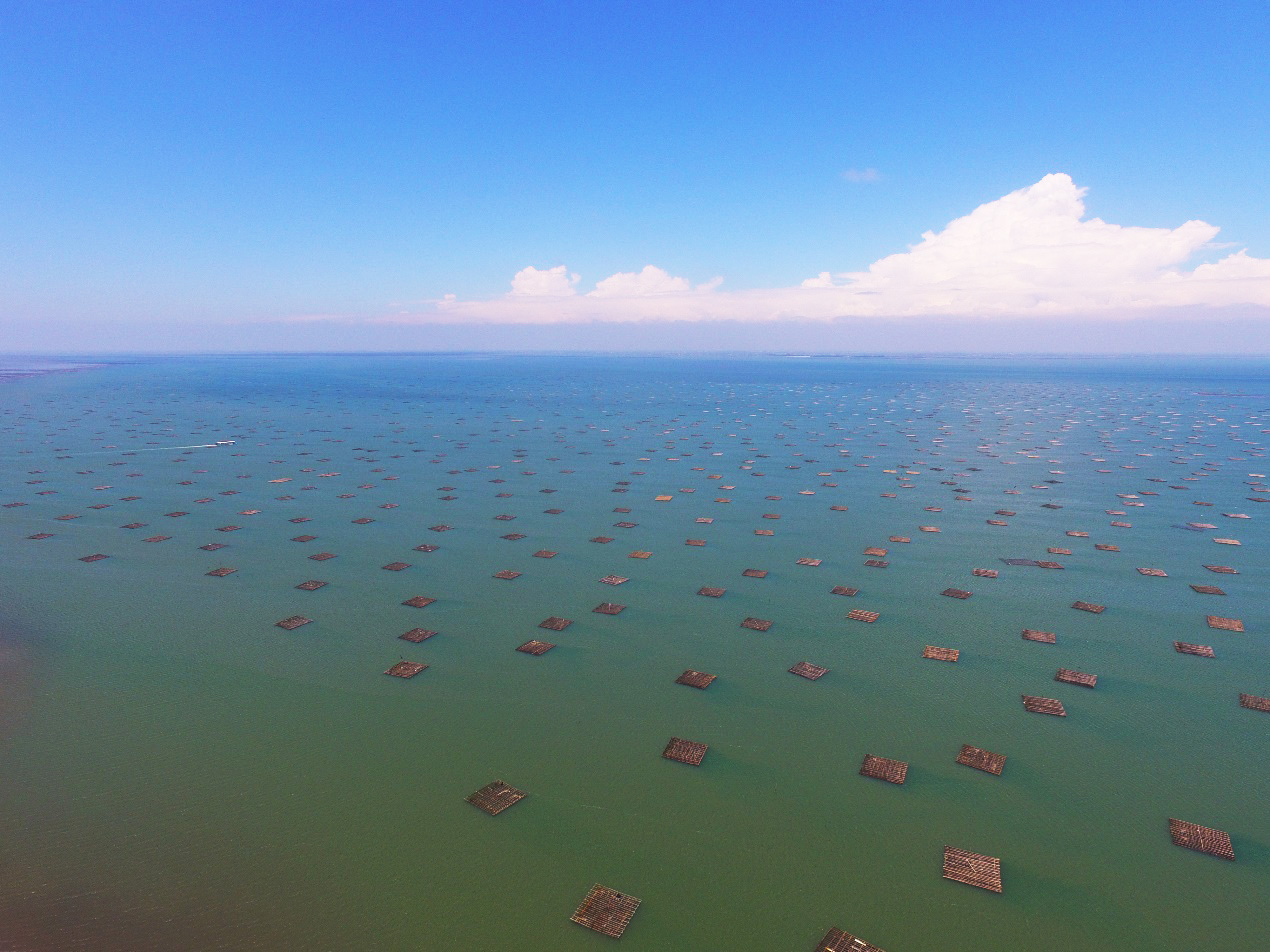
pixel 981 759
pixel 685 751
pixel 836 940
pixel 973 869
pixel 1044 705
pixel 1202 839
pixel 406 669
pixel 1076 677
pixel 805 669
pixel 882 768
pixel 696 679
pixel 495 797
pixel 606 911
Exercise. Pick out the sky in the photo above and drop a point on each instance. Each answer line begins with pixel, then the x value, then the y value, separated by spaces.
pixel 846 177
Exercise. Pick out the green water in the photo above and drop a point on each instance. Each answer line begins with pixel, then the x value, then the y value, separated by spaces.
pixel 178 773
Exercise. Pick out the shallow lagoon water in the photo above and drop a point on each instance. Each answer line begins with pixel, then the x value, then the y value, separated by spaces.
pixel 180 773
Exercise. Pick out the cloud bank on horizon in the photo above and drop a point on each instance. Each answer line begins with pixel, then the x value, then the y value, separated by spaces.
pixel 1031 253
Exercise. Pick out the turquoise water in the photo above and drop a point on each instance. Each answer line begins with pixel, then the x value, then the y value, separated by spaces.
pixel 179 773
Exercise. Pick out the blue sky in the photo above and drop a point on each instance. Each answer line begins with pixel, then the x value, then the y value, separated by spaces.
pixel 173 170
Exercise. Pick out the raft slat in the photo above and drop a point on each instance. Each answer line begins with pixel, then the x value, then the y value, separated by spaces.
pixel 980 759
pixel 606 911
pixel 495 797
pixel 685 751
pixel 1202 839
pixel 882 768
pixel 973 869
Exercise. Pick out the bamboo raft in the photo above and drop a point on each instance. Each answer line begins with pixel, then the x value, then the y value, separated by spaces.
pixel 1207 590
pixel 973 869
pixel 941 654
pixel 1044 637
pixel 545 554
pixel 1202 839
pixel 614 579
pixel 875 550
pixel 294 622
pixel 536 647
pixel 96 557
pixel 514 536
pixel 507 575
pixel 711 591
pixel 416 635
pixel 696 542
pixel 805 669
pixel 985 573
pixel 1089 607
pixel 495 797
pixel 1202 651
pixel 606 911
pixel 882 768
pixel 1221 569
pixel 213 546
pixel 980 759
pixel 312 585
pixel 956 593
pixel 222 572
pixel 696 679
pixel 685 751
pixel 1044 705
pixel 860 614
pixel 1225 624
pixel 640 554
pixel 396 566
pixel 844 590
pixel 322 556
pixel 1255 703
pixel 603 540
pixel 755 573
pixel 1076 677
pixel 608 608
pixel 836 940
pixel 555 623
pixel 756 624
pixel 419 601
pixel 1154 573
pixel 426 548
pixel 406 669
pixel 876 563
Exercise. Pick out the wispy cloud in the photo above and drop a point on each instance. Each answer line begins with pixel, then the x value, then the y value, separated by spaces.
pixel 1031 253
pixel 862 176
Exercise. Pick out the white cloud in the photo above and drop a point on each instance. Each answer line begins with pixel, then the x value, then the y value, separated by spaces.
pixel 862 176
pixel 549 282
pixel 1031 253
pixel 652 280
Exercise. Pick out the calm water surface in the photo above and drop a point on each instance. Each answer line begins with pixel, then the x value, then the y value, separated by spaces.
pixel 179 773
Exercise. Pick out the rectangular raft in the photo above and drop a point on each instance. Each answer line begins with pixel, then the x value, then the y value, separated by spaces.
pixel 1202 839
pixel 980 759
pixel 606 911
pixel 685 751
pixel 973 869
pixel 882 768
pixel 1044 705
pixel 495 797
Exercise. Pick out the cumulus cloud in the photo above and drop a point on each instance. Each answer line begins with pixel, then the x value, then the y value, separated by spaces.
pixel 549 282
pixel 1031 253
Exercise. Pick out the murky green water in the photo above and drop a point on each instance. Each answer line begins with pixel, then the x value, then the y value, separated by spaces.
pixel 178 773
